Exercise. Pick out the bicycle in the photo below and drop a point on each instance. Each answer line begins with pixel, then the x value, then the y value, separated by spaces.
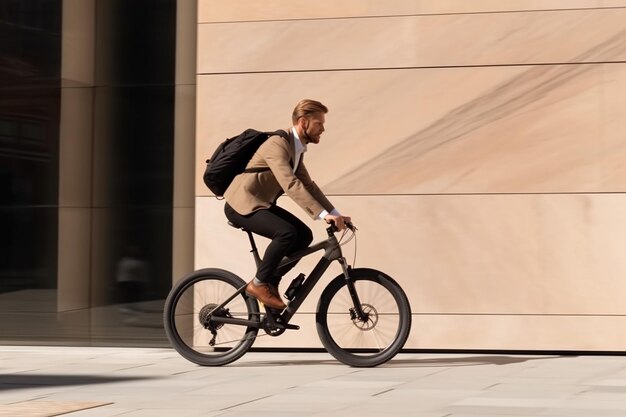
pixel 363 316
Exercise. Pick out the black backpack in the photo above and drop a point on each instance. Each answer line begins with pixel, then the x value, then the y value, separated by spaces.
pixel 231 157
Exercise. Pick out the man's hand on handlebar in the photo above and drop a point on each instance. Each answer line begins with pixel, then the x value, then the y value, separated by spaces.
pixel 338 221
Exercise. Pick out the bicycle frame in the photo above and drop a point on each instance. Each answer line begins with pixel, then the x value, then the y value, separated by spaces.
pixel 332 252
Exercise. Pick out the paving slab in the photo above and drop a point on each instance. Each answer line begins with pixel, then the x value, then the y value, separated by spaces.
pixel 135 382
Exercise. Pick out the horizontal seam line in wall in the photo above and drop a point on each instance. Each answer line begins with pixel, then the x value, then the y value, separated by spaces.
pixel 448 194
pixel 521 314
pixel 412 15
pixel 471 194
pixel 413 67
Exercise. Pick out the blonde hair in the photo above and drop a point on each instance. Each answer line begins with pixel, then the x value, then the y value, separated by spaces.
pixel 306 108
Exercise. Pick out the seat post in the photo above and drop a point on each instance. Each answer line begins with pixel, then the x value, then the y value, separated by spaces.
pixel 255 252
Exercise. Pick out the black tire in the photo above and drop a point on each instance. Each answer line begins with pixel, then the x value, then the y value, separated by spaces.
pixel 191 299
pixel 364 343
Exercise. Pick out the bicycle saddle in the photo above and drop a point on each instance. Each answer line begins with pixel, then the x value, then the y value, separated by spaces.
pixel 237 227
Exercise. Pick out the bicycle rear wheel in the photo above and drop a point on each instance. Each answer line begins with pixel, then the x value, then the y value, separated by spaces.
pixel 368 341
pixel 189 307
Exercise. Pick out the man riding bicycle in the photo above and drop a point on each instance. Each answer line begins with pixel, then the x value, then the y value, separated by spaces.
pixel 251 199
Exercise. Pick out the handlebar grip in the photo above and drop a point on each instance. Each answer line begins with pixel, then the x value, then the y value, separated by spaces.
pixel 349 225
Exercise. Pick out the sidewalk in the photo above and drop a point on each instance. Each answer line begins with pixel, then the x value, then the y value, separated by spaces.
pixel 105 382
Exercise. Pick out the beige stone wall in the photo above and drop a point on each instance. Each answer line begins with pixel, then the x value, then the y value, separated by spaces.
pixel 479 146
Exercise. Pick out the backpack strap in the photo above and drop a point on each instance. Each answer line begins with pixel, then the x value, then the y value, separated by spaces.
pixel 280 133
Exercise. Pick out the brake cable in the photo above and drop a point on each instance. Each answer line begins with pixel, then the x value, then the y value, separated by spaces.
pixel 352 236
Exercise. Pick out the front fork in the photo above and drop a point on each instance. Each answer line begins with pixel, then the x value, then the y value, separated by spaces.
pixel 357 312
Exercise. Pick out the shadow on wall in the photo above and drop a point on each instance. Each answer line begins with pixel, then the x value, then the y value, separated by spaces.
pixel 504 100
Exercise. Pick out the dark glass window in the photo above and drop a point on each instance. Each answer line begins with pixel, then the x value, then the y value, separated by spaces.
pixel 29 137
pixel 132 104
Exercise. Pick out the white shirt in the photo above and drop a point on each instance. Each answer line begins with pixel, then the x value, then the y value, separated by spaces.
pixel 300 149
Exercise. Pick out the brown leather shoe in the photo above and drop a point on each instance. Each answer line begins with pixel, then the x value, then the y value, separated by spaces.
pixel 264 294
pixel 274 290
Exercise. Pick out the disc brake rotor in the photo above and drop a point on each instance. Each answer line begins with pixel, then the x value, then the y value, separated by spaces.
pixel 371 318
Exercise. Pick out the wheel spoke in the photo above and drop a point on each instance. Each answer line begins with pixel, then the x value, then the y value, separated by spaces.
pixel 189 309
pixel 360 342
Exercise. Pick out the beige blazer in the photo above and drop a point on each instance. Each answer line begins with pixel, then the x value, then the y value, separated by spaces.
pixel 252 191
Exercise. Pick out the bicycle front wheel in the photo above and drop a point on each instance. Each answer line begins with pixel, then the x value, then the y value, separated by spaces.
pixel 188 311
pixel 374 338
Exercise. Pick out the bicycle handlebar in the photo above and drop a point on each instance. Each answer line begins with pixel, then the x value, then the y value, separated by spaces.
pixel 332 228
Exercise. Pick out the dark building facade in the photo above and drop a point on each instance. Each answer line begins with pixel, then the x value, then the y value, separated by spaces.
pixel 87 139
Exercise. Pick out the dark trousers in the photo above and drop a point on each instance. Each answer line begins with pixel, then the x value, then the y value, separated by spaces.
pixel 288 234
